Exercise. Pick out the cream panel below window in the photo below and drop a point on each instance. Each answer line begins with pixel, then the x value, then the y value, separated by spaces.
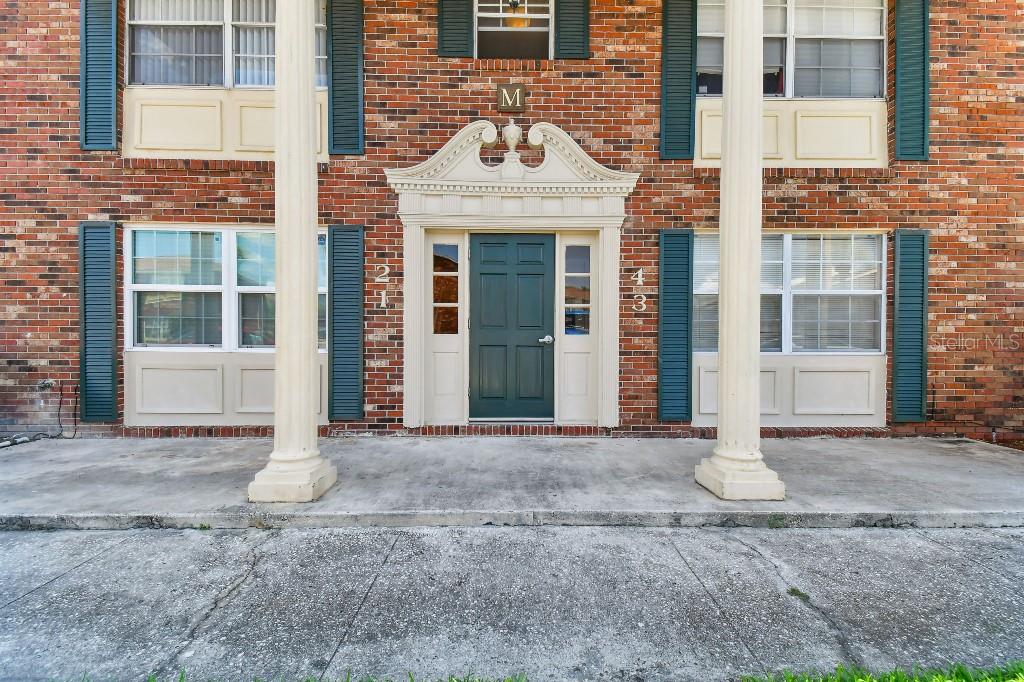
pixel 805 133
pixel 803 390
pixel 187 388
pixel 206 123
pixel 447 387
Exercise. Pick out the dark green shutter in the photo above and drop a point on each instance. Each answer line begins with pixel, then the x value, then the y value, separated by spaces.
pixel 910 327
pixel 345 321
pixel 675 311
pixel 98 75
pixel 455 28
pixel 97 309
pixel 678 78
pixel 912 79
pixel 572 29
pixel 345 76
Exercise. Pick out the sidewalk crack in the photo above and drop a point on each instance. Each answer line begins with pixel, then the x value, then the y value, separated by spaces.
pixel 352 621
pixel 107 548
pixel 837 630
pixel 255 556
pixel 721 610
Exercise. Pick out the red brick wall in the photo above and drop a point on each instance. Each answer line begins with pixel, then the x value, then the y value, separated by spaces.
pixel 969 195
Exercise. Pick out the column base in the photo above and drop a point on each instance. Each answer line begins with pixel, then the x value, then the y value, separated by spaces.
pixel 728 484
pixel 286 482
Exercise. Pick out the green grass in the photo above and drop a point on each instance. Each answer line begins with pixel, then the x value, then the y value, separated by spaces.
pixel 1013 672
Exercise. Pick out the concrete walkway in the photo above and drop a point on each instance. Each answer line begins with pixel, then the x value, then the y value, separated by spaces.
pixel 201 483
pixel 557 603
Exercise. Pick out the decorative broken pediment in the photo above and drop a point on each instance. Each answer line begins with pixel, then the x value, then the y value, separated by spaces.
pixel 467 185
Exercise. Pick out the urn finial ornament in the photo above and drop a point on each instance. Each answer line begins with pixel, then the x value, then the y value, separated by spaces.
pixel 512 134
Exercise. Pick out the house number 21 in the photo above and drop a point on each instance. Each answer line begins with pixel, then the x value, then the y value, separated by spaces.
pixel 383 277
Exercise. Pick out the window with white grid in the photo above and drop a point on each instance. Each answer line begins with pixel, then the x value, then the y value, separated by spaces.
pixel 513 29
pixel 202 288
pixel 812 48
pixel 184 42
pixel 819 293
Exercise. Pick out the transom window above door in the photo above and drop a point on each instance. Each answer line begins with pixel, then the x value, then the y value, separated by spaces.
pixel 513 29
pixel 812 48
pixel 210 42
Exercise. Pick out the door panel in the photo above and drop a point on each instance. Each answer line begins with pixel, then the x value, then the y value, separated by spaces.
pixel 512 292
pixel 530 303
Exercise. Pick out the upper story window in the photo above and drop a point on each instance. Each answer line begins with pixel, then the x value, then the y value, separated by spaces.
pixel 515 29
pixel 184 42
pixel 812 48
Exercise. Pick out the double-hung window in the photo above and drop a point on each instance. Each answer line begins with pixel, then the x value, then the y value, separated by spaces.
pixel 176 42
pixel 811 48
pixel 184 42
pixel 208 288
pixel 513 29
pixel 819 293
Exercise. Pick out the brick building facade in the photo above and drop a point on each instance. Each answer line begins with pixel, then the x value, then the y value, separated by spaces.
pixel 967 195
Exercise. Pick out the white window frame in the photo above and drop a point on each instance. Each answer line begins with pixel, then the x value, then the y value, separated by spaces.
pixel 228 24
pixel 228 289
pixel 226 40
pixel 788 292
pixel 790 49
pixel 550 29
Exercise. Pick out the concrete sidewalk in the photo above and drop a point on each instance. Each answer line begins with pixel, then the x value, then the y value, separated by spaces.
pixel 657 605
pixel 200 483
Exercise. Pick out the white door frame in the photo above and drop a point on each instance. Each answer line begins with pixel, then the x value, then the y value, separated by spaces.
pixel 567 192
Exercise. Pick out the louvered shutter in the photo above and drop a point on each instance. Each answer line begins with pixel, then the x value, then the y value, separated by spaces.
pixel 98 75
pixel 345 76
pixel 345 321
pixel 675 305
pixel 97 305
pixel 912 80
pixel 455 28
pixel 678 78
pixel 910 327
pixel 572 29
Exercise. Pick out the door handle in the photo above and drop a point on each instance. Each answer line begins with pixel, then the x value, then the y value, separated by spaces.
pixel 547 339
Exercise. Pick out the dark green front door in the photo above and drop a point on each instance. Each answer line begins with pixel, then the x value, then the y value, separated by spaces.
pixel 511 322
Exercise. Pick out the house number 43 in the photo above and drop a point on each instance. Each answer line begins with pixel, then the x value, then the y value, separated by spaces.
pixel 639 300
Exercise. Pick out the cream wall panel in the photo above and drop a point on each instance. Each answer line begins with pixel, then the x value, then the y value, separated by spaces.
pixel 834 134
pixel 200 388
pixel 206 123
pixel 187 125
pixel 805 133
pixel 803 390
pixel 167 389
pixel 255 390
pixel 835 391
pixel 711 134
pixel 707 389
pixel 256 127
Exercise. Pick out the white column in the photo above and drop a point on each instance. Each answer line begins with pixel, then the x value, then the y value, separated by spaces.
pixel 736 470
pixel 296 472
